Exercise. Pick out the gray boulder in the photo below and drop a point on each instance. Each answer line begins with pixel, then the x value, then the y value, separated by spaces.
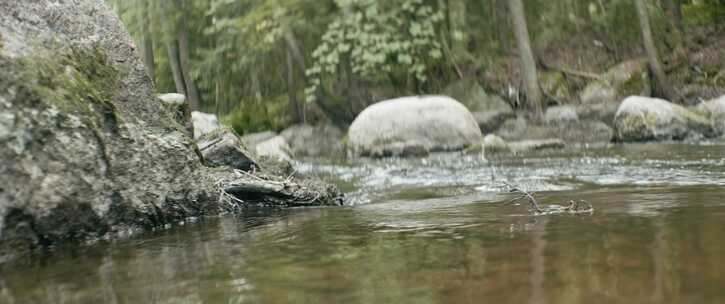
pixel 176 105
pixel 645 118
pixel 274 148
pixel 491 144
pixel 413 125
pixel 314 141
pixel 513 128
pixel 582 131
pixel 490 121
pixel 469 93
pixel 252 140
pixel 223 148
pixel 561 115
pixel 86 149
pixel 204 123
pixel 174 99
pixel 536 144
pixel 603 112
pixel 489 110
pixel 715 109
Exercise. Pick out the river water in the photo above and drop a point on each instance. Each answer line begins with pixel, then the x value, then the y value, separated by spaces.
pixel 433 230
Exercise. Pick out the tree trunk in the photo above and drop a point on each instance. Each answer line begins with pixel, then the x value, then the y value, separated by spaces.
pixel 528 65
pixel 148 46
pixel 294 103
pixel 661 86
pixel 173 52
pixel 502 24
pixel 193 93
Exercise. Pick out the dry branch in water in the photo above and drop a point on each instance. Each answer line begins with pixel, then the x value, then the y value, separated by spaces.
pixel 572 206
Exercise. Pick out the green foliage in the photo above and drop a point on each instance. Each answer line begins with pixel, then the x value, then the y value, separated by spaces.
pixel 258 117
pixel 704 12
pixel 355 52
pixel 375 38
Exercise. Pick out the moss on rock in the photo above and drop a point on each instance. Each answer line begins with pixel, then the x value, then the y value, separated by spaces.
pixel 78 82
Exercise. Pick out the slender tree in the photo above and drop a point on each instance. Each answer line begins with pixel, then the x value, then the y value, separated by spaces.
pixel 528 65
pixel 184 61
pixel 502 24
pixel 661 84
pixel 148 45
pixel 172 50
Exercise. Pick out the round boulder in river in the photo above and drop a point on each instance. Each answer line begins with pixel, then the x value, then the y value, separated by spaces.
pixel 644 118
pixel 413 126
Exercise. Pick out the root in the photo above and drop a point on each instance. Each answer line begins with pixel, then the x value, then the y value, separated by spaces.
pixel 256 189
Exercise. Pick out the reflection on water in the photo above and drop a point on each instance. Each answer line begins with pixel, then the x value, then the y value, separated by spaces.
pixel 660 243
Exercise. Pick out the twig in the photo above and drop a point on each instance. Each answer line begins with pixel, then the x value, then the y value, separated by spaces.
pixel 573 206
pixel 529 197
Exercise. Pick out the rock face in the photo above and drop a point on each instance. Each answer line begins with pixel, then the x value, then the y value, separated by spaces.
pixel 412 125
pixel 314 141
pixel 90 150
pixel 204 123
pixel 87 150
pixel 223 148
pixel 644 118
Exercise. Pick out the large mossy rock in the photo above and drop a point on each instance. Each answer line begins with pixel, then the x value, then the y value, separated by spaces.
pixel 87 150
pixel 644 119
pixel 413 125
pixel 625 79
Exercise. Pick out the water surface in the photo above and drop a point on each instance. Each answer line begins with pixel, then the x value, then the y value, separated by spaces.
pixel 434 230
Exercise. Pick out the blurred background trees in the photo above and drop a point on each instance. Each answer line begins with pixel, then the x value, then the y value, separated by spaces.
pixel 267 64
